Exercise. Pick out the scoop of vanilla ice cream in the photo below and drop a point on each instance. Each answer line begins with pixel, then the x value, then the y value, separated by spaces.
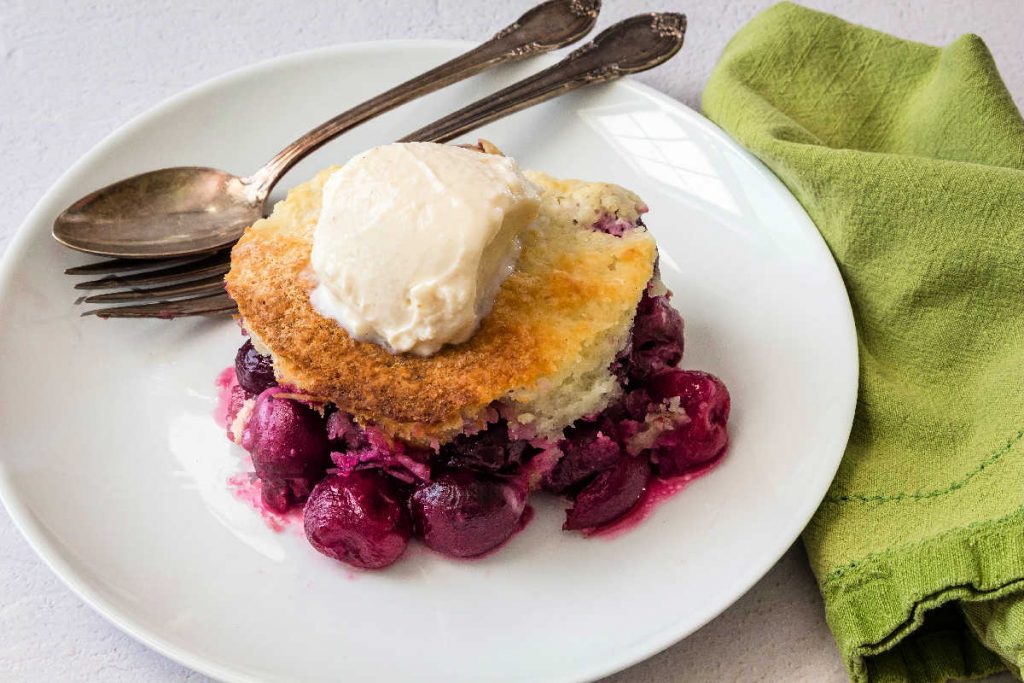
pixel 414 240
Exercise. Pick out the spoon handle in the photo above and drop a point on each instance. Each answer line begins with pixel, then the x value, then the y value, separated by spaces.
pixel 630 46
pixel 546 27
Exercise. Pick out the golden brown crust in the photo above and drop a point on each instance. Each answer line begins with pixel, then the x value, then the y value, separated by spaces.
pixel 571 287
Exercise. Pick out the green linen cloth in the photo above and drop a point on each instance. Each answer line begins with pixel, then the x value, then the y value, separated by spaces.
pixel 910 160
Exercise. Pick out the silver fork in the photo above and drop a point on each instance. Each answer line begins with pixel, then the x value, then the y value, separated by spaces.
pixel 196 287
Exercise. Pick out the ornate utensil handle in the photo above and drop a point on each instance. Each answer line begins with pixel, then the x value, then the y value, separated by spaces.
pixel 546 27
pixel 636 44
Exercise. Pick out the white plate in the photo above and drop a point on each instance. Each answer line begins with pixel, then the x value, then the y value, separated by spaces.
pixel 112 466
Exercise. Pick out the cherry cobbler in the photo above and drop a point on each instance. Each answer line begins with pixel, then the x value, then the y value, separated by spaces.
pixel 568 384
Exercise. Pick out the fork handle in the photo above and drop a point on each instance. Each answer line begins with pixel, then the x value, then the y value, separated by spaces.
pixel 546 27
pixel 630 46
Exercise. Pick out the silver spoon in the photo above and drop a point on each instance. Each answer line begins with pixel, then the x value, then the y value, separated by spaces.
pixel 188 210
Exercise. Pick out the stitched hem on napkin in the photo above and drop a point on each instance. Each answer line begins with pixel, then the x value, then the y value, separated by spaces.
pixel 936 642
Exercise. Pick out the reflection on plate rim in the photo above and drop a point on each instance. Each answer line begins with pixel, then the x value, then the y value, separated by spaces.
pixel 28 527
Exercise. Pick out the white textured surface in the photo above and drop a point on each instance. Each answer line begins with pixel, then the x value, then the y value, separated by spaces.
pixel 72 71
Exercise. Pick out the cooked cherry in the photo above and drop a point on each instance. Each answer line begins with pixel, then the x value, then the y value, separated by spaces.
pixel 464 514
pixel 287 439
pixel 255 372
pixel 275 495
pixel 490 450
pixel 703 437
pixel 358 518
pixel 611 494
pixel 657 338
pixel 587 451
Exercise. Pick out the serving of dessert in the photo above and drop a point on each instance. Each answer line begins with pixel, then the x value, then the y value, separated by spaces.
pixel 434 335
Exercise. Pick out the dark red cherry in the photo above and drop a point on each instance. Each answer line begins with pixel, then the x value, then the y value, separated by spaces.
pixel 358 518
pixel 611 494
pixel 464 514
pixel 287 439
pixel 587 452
pixel 703 437
pixel 255 372
pixel 657 338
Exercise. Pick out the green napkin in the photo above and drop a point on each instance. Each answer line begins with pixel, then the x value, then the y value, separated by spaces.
pixel 910 160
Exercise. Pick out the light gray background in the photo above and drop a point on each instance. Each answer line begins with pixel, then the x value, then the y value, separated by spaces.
pixel 70 72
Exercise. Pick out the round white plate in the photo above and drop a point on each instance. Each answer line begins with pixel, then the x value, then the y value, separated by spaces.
pixel 113 468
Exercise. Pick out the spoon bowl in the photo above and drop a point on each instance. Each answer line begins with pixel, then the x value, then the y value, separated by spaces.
pixel 161 214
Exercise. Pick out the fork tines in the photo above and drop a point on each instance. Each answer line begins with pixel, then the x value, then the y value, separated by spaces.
pixel 167 288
